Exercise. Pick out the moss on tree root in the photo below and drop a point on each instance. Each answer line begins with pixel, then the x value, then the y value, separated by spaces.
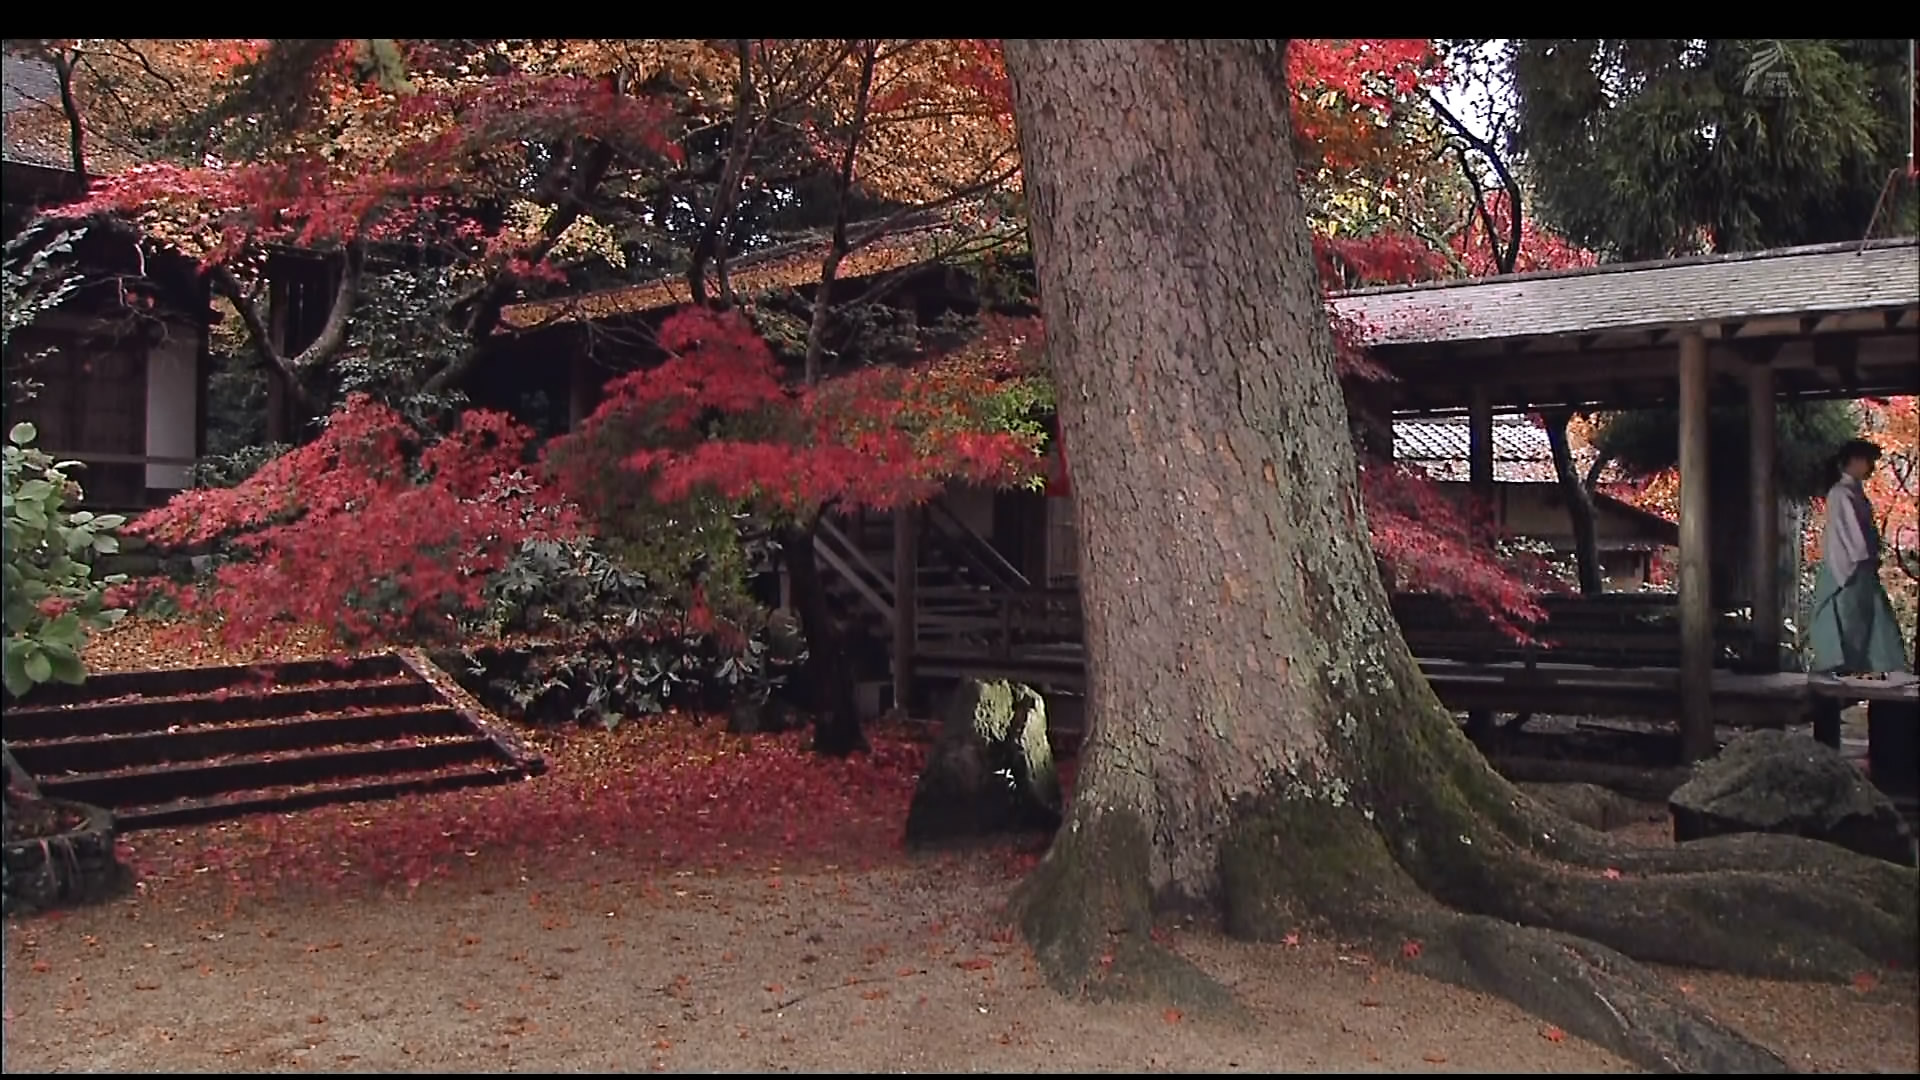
pixel 1501 894
pixel 1087 912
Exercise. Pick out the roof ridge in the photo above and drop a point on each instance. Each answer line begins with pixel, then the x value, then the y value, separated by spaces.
pixel 1647 264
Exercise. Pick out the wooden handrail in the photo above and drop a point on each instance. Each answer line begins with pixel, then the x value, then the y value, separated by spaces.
pixel 93 458
pixel 843 557
pixel 977 549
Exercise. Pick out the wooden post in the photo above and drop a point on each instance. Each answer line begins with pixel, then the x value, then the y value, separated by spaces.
pixel 906 571
pixel 580 389
pixel 1696 602
pixel 1480 486
pixel 1766 518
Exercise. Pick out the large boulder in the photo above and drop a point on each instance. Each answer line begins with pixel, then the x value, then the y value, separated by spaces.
pixel 1775 782
pixel 990 771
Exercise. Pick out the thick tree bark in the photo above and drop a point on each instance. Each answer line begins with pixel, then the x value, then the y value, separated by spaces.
pixel 836 720
pixel 1262 746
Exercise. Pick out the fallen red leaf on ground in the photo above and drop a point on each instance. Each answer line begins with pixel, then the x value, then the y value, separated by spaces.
pixel 1434 1057
pixel 668 792
pixel 1865 981
pixel 1553 1034
pixel 1611 874
pixel 977 963
pixel 1409 949
pixel 1173 1016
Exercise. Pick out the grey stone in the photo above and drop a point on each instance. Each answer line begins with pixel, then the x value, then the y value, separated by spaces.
pixel 991 768
pixel 1776 782
pixel 76 867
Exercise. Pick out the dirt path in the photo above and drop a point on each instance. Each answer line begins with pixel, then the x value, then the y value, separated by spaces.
pixel 891 969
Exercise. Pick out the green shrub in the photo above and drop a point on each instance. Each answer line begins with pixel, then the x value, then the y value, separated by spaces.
pixel 53 601
pixel 609 680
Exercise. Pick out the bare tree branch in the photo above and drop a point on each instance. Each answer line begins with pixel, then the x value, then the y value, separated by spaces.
pixel 582 174
pixel 63 62
pixel 333 333
pixel 837 249
pixel 740 147
pixel 1506 260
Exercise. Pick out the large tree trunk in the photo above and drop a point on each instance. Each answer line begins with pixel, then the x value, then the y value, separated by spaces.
pixel 1262 746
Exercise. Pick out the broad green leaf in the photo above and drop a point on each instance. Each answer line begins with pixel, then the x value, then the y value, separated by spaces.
pixel 63 631
pixel 67 667
pixel 106 521
pixel 38 667
pixel 106 543
pixel 13 669
pixel 23 433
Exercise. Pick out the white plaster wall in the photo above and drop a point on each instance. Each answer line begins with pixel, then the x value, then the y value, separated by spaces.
pixel 172 402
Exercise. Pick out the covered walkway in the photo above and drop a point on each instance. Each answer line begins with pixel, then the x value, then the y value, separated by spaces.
pixel 1828 321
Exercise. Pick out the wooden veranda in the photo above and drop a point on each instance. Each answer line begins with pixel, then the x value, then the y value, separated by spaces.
pixel 1827 321
pixel 1830 321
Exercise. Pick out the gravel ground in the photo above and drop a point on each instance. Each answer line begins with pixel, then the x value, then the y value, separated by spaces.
pixel 899 968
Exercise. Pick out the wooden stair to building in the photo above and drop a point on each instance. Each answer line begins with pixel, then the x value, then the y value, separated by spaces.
pixel 191 745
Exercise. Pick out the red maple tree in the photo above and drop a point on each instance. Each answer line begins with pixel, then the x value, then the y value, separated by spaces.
pixel 718 417
pixel 371 530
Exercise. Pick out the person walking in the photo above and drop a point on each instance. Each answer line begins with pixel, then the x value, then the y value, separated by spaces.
pixel 1852 629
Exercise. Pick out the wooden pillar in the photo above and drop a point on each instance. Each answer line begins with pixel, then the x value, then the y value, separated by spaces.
pixel 1696 603
pixel 580 389
pixel 906 572
pixel 1480 486
pixel 1765 523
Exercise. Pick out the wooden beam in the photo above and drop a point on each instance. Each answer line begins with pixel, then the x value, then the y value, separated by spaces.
pixel 906 620
pixel 1696 602
pixel 1765 523
pixel 1480 483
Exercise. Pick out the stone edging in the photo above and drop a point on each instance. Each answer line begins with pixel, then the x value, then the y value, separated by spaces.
pixel 76 867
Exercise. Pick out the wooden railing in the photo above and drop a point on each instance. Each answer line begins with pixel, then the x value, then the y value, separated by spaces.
pixel 974 551
pixel 1617 630
pixel 844 557
pixel 1621 630
pixel 117 487
pixel 997 623
pixel 90 457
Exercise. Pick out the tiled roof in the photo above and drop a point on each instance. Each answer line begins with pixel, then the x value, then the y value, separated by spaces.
pixel 1520 448
pixel 1644 296
pixel 788 266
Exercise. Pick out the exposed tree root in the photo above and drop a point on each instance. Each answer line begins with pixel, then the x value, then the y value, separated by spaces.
pixel 1087 914
pixel 1587 989
pixel 1498 894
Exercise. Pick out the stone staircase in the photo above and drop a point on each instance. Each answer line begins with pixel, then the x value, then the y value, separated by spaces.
pixel 178 747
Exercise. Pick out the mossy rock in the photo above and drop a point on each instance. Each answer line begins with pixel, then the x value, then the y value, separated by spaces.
pixel 1776 782
pixel 990 771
